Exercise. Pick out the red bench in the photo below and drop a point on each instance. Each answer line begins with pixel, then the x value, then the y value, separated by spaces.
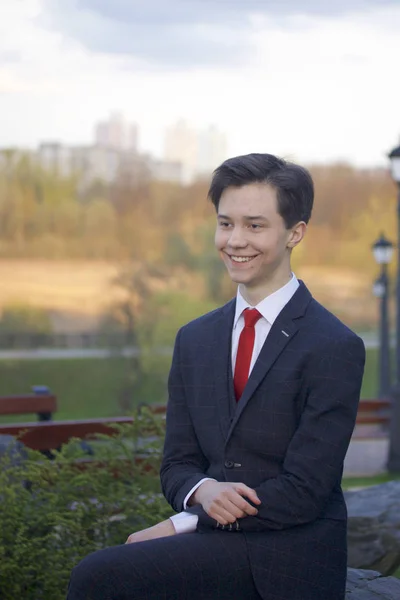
pixel 374 412
pixel 47 435
pixel 41 402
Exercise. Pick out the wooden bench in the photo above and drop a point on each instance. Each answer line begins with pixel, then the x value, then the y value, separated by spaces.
pixel 47 435
pixel 374 412
pixel 373 420
pixel 41 402
pixel 50 435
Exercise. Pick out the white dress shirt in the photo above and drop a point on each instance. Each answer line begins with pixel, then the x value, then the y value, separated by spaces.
pixel 269 308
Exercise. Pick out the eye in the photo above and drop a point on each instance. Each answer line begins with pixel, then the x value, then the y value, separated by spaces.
pixel 224 224
pixel 255 226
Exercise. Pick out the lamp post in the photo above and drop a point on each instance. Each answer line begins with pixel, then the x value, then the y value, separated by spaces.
pixel 394 446
pixel 383 251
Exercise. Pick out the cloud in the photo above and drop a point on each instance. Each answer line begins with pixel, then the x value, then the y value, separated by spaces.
pixel 9 57
pixel 182 33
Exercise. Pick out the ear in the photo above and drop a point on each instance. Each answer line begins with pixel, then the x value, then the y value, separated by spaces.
pixel 296 234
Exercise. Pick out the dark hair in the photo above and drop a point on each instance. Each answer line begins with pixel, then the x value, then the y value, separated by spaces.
pixel 293 184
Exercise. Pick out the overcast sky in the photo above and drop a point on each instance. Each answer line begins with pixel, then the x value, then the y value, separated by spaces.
pixel 319 83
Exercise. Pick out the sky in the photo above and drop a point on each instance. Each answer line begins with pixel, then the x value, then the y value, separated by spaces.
pixel 314 81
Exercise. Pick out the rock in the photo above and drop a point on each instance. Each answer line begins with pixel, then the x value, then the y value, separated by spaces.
pixel 370 585
pixel 374 528
pixel 12 450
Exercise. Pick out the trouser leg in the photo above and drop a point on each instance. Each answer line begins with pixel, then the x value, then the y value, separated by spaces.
pixel 187 566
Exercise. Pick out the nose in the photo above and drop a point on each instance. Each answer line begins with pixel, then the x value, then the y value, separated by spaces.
pixel 237 238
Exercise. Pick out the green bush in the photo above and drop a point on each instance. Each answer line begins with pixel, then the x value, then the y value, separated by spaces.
pixel 55 512
pixel 21 318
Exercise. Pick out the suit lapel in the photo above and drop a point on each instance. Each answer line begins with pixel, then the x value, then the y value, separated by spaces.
pixel 221 358
pixel 282 332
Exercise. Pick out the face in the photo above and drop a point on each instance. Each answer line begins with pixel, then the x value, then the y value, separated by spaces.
pixel 252 237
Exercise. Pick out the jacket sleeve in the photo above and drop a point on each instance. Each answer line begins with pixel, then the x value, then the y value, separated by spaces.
pixel 184 463
pixel 314 460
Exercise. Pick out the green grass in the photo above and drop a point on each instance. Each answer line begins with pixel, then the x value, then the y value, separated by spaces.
pixel 370 381
pixel 88 388
pixel 351 482
pixel 85 388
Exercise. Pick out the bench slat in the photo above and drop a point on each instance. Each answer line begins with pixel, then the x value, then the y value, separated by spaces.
pixel 373 405
pixel 29 403
pixel 52 434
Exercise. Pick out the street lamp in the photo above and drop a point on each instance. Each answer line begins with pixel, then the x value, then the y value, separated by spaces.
pixel 383 251
pixel 394 447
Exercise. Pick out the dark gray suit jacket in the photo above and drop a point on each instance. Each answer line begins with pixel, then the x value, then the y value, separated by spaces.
pixel 287 438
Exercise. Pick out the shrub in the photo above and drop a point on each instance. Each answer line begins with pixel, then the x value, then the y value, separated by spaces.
pixel 55 512
pixel 21 318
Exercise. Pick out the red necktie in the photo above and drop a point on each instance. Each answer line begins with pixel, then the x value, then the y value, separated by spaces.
pixel 245 350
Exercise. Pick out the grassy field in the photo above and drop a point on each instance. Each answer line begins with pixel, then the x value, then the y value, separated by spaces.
pixel 85 388
pixel 353 482
pixel 88 388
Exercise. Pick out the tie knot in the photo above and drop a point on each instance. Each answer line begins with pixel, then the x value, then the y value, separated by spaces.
pixel 251 316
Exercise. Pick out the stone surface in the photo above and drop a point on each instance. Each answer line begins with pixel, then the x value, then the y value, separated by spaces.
pixel 370 585
pixel 12 449
pixel 374 528
pixel 366 457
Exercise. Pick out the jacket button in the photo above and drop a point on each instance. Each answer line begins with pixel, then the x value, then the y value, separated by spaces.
pixel 228 464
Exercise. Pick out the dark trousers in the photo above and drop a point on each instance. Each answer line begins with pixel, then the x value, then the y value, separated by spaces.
pixel 192 566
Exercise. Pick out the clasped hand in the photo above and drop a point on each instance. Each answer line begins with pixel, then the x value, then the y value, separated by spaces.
pixel 225 501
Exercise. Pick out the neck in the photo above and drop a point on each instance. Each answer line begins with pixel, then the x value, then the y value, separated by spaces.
pixel 253 295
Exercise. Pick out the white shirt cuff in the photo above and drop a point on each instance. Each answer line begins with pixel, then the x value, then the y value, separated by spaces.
pixel 184 522
pixel 194 488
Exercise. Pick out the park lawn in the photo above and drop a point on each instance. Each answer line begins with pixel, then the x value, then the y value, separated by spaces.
pixel 85 388
pixel 355 482
pixel 92 387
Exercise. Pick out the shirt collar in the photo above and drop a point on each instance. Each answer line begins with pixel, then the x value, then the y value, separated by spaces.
pixel 271 306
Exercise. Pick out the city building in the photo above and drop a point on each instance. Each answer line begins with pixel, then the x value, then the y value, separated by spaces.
pixel 212 150
pixel 188 155
pixel 56 158
pixel 162 170
pixel 198 151
pixel 117 134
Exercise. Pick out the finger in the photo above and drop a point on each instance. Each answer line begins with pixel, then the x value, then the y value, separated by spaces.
pixel 222 515
pixel 232 506
pixel 245 507
pixel 225 503
pixel 244 490
pixel 234 497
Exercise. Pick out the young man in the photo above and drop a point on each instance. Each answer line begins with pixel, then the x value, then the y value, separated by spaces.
pixel 263 396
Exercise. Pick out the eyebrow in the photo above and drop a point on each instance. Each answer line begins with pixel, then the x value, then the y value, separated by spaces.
pixel 247 218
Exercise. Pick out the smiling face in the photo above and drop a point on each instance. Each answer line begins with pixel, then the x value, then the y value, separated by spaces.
pixel 253 240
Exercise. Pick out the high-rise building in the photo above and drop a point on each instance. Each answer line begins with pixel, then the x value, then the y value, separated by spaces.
pixel 133 137
pixel 55 157
pixel 180 146
pixel 116 134
pixel 95 162
pixel 212 150
pixel 198 151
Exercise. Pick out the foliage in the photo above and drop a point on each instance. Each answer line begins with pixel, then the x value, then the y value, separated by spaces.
pixel 137 284
pixel 43 213
pixel 18 320
pixel 53 513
